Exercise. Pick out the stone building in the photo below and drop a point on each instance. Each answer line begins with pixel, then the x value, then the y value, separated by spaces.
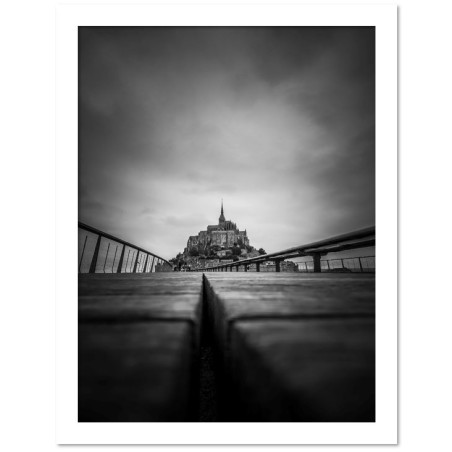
pixel 224 235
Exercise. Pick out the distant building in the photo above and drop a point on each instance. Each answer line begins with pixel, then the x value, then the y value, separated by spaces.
pixel 223 235
pixel 223 253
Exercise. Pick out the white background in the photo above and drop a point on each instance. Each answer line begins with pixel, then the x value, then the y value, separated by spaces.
pixel 28 196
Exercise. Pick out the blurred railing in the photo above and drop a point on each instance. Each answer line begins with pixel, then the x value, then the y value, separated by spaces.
pixel 100 252
pixel 361 264
pixel 353 240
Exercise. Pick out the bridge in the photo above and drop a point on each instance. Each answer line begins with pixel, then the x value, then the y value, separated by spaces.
pixel 225 343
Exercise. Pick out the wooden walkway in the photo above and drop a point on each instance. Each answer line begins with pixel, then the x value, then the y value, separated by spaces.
pixel 226 347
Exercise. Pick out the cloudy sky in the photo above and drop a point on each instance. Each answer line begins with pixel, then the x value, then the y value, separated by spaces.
pixel 279 122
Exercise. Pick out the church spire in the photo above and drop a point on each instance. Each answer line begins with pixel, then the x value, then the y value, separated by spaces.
pixel 221 219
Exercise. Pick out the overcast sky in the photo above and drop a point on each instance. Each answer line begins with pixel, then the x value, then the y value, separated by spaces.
pixel 279 122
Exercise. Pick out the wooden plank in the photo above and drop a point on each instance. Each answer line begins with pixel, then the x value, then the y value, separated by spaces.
pixel 269 326
pixel 131 308
pixel 261 295
pixel 316 370
pixel 140 372
pixel 139 284
pixel 138 346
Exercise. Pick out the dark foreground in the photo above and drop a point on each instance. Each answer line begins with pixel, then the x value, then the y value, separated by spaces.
pixel 226 347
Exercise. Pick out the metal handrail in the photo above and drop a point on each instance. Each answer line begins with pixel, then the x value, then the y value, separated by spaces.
pixel 328 262
pixel 352 240
pixel 100 234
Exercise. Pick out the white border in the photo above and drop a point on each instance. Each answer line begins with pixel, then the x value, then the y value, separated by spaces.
pixel 384 17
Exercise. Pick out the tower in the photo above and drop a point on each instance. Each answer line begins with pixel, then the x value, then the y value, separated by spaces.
pixel 221 219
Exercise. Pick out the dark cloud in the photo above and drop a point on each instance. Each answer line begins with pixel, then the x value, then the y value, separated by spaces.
pixel 278 121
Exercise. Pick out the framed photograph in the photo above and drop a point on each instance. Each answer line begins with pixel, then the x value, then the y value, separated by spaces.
pixel 228 167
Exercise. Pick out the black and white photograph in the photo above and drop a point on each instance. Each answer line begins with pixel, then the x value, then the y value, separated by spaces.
pixel 192 194
pixel 226 235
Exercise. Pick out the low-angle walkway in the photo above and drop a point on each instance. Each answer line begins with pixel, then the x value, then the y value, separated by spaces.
pixel 226 347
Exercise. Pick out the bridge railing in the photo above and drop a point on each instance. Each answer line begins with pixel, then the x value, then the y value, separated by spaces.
pixel 356 264
pixel 358 239
pixel 100 252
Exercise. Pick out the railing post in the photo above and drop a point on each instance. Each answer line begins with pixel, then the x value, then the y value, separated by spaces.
pixel 328 264
pixel 145 263
pixel 114 259
pixel 316 259
pixel 121 259
pixel 136 262
pixel 245 268
pixel 278 265
pixel 258 266
pixel 152 264
pixel 83 252
pixel 360 264
pixel 92 267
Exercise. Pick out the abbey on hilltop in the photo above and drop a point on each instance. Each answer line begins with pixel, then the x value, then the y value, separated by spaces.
pixel 222 236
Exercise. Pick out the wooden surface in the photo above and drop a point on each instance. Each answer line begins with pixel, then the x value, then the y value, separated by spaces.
pixel 317 370
pixel 286 346
pixel 295 347
pixel 138 346
pixel 138 372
